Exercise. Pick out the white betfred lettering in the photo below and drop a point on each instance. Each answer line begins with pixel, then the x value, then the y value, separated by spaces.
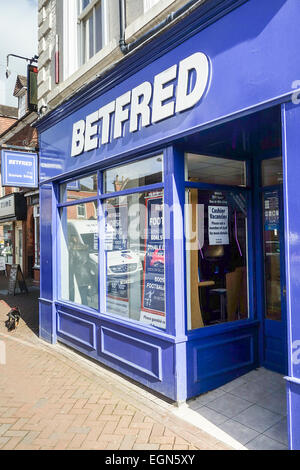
pixel 140 101
pixel 135 105
pixel 78 138
pixel 199 63
pixel 162 93
pixel 91 140
pixel 121 114
pixel 104 114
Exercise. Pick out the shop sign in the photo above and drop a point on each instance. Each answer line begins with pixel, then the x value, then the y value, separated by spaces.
pixel 7 206
pixel 153 300
pixel 174 90
pixel 19 169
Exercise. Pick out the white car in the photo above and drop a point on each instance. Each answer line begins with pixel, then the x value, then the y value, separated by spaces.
pixel 122 262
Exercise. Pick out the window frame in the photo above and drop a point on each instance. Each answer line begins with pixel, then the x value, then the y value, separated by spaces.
pixel 250 262
pixel 148 4
pixel 36 218
pixel 82 17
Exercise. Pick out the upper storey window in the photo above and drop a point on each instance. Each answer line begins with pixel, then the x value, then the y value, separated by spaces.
pixel 91 34
pixel 149 4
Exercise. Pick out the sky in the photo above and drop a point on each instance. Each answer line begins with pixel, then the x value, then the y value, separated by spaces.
pixel 18 35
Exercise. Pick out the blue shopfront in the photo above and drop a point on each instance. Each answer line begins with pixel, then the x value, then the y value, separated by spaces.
pixel 170 239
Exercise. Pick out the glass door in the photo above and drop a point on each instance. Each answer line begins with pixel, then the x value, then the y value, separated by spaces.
pixel 275 356
pixel 217 241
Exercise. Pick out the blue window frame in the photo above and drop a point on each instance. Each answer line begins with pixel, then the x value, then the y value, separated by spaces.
pixel 115 260
pixel 234 190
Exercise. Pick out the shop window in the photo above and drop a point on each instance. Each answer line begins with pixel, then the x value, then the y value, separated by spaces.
pixel 79 255
pixel 213 170
pixel 133 175
pixel 272 172
pixel 90 20
pixel 135 257
pixel 79 189
pixel 6 246
pixel 216 257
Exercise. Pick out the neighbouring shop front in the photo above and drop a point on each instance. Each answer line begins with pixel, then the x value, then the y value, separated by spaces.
pixel 12 217
pixel 168 207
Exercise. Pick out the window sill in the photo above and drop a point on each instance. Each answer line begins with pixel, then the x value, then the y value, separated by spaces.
pixel 119 321
pixel 151 18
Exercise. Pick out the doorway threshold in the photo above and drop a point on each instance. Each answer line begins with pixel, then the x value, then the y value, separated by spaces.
pixel 248 413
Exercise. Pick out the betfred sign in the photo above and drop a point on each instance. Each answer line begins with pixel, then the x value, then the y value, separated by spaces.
pixel 19 169
pixel 173 91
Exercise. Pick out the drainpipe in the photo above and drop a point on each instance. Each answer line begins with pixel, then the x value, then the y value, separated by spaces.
pixel 126 48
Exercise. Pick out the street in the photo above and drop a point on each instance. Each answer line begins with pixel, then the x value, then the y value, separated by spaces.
pixel 51 398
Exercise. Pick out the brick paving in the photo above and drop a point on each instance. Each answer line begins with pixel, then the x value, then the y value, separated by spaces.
pixel 51 398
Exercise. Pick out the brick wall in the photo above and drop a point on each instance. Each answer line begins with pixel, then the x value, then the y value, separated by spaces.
pixel 5 123
pixel 27 137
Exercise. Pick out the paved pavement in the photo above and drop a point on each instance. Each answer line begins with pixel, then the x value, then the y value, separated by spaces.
pixel 52 398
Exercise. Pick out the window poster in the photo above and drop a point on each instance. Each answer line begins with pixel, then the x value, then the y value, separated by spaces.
pixel 153 297
pixel 271 208
pixel 116 239
pixel 218 225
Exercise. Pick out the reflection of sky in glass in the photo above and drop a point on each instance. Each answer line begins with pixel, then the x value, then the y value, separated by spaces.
pixel 133 171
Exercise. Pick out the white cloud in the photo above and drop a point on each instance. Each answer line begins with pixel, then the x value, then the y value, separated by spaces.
pixel 18 35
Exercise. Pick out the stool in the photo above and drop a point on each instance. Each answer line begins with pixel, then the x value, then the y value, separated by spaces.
pixel 222 294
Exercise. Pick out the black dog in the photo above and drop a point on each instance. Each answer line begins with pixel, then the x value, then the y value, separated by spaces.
pixel 13 321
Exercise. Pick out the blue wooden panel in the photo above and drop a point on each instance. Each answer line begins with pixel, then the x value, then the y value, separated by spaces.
pixel 140 355
pixel 76 329
pixel 215 360
pixel 46 245
pixel 46 330
pixel 274 353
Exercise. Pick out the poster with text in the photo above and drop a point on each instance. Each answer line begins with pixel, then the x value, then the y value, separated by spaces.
pixel 153 298
pixel 116 239
pixel 218 225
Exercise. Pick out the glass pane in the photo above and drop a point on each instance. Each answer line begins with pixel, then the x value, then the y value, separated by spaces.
pixel 272 255
pixel 135 258
pixel 204 169
pixel 91 37
pixel 79 255
pixel 6 242
pixel 84 41
pixel 98 26
pixel 79 189
pixel 271 171
pixel 84 4
pixel 141 173
pixel 216 253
